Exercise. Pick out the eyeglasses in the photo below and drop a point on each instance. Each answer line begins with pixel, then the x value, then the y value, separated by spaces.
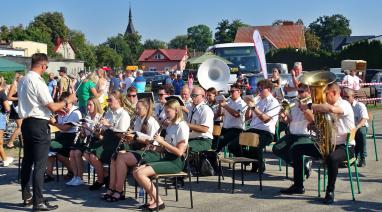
pixel 195 95
pixel 260 89
pixel 131 95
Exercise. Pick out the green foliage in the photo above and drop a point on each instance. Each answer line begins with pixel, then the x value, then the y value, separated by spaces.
pixel 53 23
pixel 18 33
pixel 312 41
pixel 136 48
pixel 327 27
pixel 226 31
pixel 120 45
pixel 9 76
pixel 4 33
pixel 179 42
pixel 84 50
pixel 154 44
pixel 107 56
pixel 318 60
pixel 200 37
pixel 370 52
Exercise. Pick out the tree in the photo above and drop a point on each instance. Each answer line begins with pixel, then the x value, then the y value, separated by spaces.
pixel 106 56
pixel 84 51
pixel 313 42
pixel 179 42
pixel 221 35
pixel 233 28
pixel 120 45
pixel 18 33
pixel 200 37
pixel 136 48
pixel 226 31
pixel 52 22
pixel 327 27
pixel 4 33
pixel 154 44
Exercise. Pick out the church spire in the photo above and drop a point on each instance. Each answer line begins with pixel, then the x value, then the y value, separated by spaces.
pixel 130 27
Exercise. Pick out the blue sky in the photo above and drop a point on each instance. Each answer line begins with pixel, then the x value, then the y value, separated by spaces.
pixel 164 19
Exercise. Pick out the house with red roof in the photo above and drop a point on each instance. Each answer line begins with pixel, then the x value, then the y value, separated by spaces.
pixel 64 48
pixel 162 60
pixel 287 35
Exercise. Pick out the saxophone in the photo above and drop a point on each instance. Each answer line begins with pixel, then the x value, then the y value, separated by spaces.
pixel 323 126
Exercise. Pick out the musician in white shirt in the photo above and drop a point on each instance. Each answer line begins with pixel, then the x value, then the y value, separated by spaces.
pixel 264 117
pixel 233 112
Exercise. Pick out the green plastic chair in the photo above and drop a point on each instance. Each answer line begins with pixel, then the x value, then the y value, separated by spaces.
pixel 372 135
pixel 349 162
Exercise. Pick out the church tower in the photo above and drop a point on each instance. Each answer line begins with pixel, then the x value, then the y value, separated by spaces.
pixel 130 27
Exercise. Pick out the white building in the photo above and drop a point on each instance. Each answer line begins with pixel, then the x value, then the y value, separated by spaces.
pixel 65 49
pixel 8 51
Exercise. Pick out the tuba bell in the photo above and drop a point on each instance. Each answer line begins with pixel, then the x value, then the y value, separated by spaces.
pixel 323 123
pixel 214 73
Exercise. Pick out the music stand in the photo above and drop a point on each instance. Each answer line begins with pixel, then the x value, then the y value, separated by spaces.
pixel 143 95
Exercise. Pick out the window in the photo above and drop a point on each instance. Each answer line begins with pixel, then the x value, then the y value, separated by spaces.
pixel 159 56
pixel 152 69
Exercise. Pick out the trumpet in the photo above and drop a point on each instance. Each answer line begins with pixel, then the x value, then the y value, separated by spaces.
pixel 286 105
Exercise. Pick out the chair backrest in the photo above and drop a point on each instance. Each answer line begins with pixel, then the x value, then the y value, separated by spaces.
pixel 351 135
pixel 249 139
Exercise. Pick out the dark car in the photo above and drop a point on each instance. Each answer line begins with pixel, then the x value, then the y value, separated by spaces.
pixel 158 81
pixel 149 76
pixel 187 71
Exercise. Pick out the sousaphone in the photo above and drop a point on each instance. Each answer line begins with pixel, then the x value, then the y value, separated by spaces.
pixel 214 73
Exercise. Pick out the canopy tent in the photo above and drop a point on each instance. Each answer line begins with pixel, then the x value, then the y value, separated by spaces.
pixel 204 57
pixel 8 65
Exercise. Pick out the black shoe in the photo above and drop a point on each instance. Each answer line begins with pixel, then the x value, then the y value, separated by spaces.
pixel 329 198
pixel 256 168
pixel 45 206
pixel 97 185
pixel 143 206
pixel 48 178
pixel 308 169
pixel 361 162
pixel 293 190
pixel 27 202
pixel 159 207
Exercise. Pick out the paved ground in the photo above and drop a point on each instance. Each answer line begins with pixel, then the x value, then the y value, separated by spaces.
pixel 208 198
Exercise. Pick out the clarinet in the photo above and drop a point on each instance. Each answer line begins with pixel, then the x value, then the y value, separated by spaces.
pixel 142 161
pixel 98 126
pixel 122 140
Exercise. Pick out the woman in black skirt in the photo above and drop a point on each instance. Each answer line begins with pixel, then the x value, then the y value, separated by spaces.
pixel 174 147
pixel 116 120
pixel 145 127
pixel 83 138
pixel 13 115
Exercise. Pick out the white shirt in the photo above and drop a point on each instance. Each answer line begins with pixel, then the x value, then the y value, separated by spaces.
pixel 269 106
pixel 291 85
pixel 177 132
pixel 298 124
pixel 360 112
pixel 201 115
pixel 344 123
pixel 92 122
pixel 33 96
pixel 119 120
pixel 74 115
pixel 128 81
pixel 352 82
pixel 230 121
pixel 152 127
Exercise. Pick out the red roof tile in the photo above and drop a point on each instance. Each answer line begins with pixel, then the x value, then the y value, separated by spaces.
pixel 170 54
pixel 281 36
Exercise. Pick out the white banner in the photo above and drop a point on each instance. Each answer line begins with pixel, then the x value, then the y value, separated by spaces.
pixel 260 52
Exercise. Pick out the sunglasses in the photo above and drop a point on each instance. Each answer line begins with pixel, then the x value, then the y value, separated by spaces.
pixel 131 95
pixel 161 94
pixel 194 95
pixel 260 89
